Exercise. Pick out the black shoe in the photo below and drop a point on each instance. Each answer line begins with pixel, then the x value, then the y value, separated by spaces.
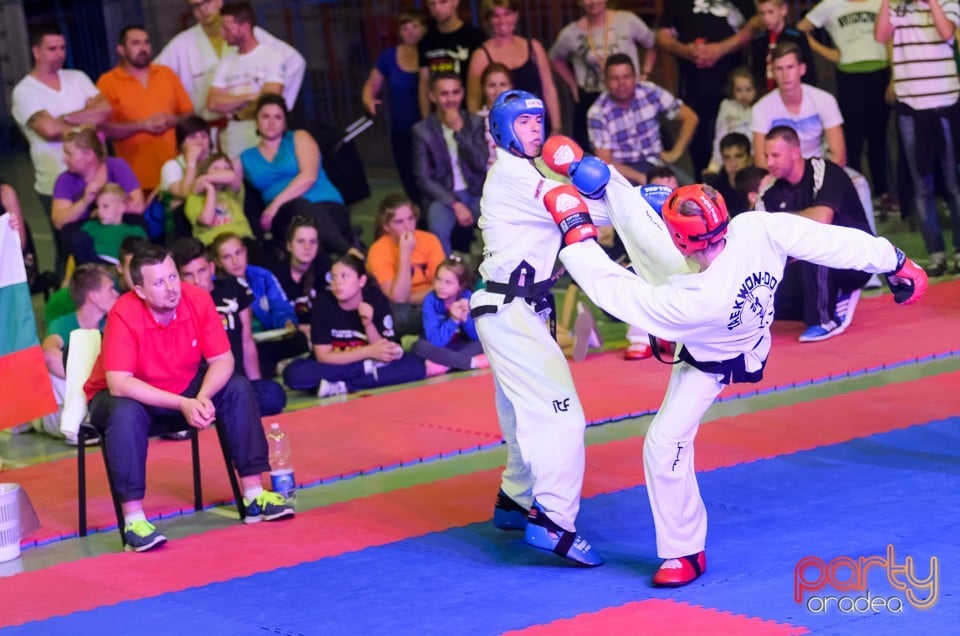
pixel 179 436
pixel 936 269
pixel 508 514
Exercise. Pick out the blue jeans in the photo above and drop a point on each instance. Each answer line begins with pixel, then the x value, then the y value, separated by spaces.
pixel 441 220
pixel 922 176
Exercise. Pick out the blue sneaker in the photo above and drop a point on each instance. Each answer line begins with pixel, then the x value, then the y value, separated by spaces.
pixel 508 514
pixel 142 536
pixel 816 333
pixel 269 506
pixel 843 316
pixel 846 305
pixel 543 533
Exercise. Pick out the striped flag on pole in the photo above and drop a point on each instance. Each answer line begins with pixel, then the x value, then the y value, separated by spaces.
pixel 25 389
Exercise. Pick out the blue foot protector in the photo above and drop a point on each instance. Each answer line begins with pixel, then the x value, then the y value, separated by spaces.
pixel 544 534
pixel 508 514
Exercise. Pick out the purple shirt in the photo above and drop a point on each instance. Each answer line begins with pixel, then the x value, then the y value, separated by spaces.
pixel 70 186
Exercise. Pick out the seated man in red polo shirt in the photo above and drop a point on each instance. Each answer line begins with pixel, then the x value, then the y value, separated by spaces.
pixel 156 339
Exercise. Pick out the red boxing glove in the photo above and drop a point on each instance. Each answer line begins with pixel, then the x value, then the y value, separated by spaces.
pixel 908 282
pixel 570 213
pixel 561 154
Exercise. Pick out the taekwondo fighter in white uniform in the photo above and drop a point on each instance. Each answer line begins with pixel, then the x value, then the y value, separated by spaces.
pixel 540 414
pixel 721 314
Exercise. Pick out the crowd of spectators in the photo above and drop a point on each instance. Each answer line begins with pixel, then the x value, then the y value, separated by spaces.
pixel 192 148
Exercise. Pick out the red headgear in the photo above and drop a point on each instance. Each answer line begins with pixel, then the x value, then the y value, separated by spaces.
pixel 693 233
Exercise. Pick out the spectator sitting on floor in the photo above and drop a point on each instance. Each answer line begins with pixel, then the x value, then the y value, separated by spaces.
pixel 662 175
pixel 232 300
pixel 285 169
pixel 99 238
pixel 61 303
pixel 216 204
pixel 271 307
pixel 735 116
pixel 449 338
pixel 353 339
pixel 151 365
pixel 747 183
pixel 88 170
pixel 177 176
pixel 450 160
pixel 818 189
pixel 303 274
pixel 736 155
pixel 403 260
pixel 92 290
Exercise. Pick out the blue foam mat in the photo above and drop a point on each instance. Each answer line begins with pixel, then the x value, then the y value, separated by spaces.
pixel 852 499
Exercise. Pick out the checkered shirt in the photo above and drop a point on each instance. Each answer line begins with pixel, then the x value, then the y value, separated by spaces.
pixel 632 134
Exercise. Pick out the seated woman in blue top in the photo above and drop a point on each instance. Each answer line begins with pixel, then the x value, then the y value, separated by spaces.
pixel 285 169
pixel 449 339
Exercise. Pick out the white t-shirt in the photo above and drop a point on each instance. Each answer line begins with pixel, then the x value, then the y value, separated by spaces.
pixel 850 25
pixel 194 60
pixel 242 73
pixel 818 112
pixel 31 96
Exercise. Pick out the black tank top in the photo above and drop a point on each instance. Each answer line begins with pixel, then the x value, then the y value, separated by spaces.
pixel 525 77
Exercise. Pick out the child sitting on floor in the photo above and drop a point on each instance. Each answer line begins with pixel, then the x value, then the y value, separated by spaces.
pixel 99 238
pixel 449 339
pixel 216 205
pixel 352 334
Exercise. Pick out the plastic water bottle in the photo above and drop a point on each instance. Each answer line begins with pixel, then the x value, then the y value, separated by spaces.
pixel 281 462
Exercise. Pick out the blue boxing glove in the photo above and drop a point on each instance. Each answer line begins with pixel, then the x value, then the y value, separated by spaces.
pixel 656 195
pixel 588 174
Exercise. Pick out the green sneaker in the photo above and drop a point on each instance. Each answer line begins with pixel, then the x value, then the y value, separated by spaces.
pixel 142 536
pixel 269 506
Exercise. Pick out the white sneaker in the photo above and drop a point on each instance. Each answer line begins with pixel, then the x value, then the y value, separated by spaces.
pixel 330 389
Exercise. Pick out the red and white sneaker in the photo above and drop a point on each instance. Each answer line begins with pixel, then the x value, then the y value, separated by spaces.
pixel 681 571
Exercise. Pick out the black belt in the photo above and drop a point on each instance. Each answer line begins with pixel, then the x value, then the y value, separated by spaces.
pixel 536 294
pixel 733 371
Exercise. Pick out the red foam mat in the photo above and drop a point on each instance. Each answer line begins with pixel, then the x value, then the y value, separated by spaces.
pixel 402 427
pixel 660 616
pixel 453 502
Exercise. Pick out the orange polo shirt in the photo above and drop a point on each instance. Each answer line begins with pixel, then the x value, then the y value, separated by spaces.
pixel 383 258
pixel 131 100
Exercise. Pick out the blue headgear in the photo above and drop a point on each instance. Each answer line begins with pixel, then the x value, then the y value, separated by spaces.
pixel 508 106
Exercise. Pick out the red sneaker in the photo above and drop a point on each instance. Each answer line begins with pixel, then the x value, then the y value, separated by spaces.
pixel 679 572
pixel 667 348
pixel 638 351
